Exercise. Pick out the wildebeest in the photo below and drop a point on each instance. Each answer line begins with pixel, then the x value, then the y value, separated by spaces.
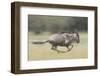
pixel 61 39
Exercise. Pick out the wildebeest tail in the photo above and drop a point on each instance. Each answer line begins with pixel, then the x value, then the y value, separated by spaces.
pixel 39 41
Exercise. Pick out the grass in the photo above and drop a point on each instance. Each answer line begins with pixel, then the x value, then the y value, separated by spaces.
pixel 44 52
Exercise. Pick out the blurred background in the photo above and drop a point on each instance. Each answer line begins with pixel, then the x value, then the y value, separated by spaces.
pixel 53 24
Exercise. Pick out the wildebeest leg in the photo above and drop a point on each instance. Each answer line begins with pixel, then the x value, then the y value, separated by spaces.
pixel 54 47
pixel 58 51
pixel 69 49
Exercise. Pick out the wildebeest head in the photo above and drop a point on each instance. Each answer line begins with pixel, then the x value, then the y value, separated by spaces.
pixel 76 37
pixel 72 36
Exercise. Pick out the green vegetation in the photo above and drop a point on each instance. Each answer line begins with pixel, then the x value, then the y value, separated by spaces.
pixel 39 23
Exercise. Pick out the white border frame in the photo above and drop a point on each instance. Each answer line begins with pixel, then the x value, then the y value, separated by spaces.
pixel 25 64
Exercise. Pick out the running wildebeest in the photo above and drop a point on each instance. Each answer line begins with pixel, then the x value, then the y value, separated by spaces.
pixel 61 39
